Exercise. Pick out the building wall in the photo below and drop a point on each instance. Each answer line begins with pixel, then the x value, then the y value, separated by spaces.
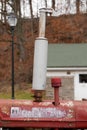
pixel 80 87
pixel 66 91
pixel 71 88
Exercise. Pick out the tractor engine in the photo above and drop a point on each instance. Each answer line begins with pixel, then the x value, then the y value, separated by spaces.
pixel 38 113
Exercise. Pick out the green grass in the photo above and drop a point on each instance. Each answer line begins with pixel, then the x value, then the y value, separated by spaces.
pixel 23 95
pixel 20 93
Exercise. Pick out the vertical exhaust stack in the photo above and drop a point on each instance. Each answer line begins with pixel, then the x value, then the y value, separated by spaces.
pixel 42 21
pixel 40 57
pixel 56 83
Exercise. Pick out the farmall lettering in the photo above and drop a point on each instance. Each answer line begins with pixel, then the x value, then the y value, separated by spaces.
pixel 17 112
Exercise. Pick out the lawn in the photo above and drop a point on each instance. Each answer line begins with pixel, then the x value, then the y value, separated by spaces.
pixel 23 91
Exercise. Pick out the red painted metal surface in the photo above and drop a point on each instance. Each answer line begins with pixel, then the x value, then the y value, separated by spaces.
pixel 25 113
pixel 56 83
pixel 47 114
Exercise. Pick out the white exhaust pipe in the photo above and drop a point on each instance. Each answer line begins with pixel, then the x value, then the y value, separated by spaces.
pixel 40 54
pixel 42 21
pixel 40 64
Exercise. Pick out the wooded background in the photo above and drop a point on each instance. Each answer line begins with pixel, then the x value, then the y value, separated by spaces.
pixel 19 7
pixel 60 29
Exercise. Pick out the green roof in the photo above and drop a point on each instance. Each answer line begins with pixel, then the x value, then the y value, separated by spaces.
pixel 67 55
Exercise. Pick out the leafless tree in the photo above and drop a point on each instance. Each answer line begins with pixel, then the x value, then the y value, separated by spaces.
pixel 78 6
pixel 53 4
pixel 32 22
pixel 3 11
pixel 86 6
pixel 68 4
pixel 20 32
pixel 45 3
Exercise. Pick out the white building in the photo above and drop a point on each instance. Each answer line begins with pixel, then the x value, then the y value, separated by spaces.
pixel 69 61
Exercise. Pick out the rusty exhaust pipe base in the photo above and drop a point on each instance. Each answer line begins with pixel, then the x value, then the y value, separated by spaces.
pixel 38 95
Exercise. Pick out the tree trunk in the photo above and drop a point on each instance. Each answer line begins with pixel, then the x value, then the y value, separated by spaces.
pixel 5 11
pixel 53 4
pixel 45 3
pixel 20 34
pixel 68 6
pixel 78 6
pixel 32 22
pixel 86 6
pixel 1 10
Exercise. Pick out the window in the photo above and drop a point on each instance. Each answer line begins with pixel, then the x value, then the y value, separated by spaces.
pixel 82 78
